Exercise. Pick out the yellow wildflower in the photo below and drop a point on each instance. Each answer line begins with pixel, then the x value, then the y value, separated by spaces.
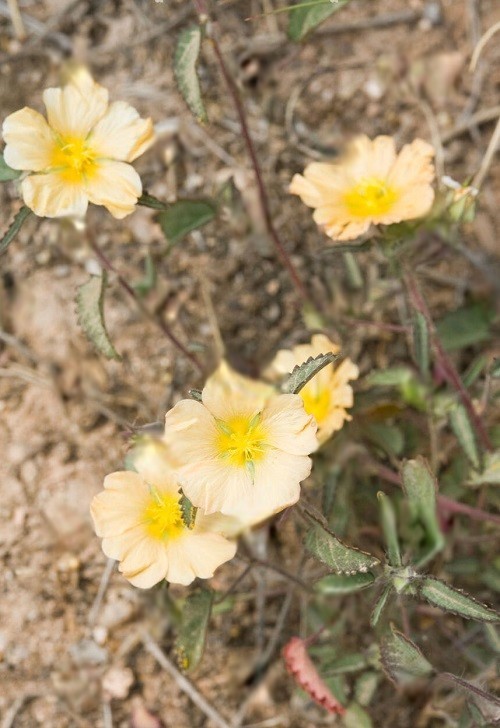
pixel 140 519
pixel 370 185
pixel 80 154
pixel 328 395
pixel 239 456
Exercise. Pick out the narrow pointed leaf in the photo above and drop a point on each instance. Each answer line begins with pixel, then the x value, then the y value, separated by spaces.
pixel 307 16
pixel 148 282
pixel 462 429
pixel 90 310
pixel 7 173
pixel 420 488
pixel 14 228
pixel 452 600
pixel 303 373
pixel 345 664
pixel 147 200
pixel 401 658
pixel 421 343
pixel 380 605
pixel 184 216
pixel 190 641
pixel 342 559
pixel 188 511
pixel 388 520
pixel 195 394
pixel 344 583
pixel 185 68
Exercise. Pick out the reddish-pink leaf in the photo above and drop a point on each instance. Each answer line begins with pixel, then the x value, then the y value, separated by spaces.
pixel 299 665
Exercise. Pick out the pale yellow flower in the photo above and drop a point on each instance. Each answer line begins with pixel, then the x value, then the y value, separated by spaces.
pixel 239 457
pixel 230 383
pixel 80 154
pixel 139 517
pixel 328 395
pixel 370 185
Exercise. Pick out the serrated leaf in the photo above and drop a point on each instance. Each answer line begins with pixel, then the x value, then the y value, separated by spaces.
pixel 420 488
pixel 421 343
pixel 184 216
pixel 344 583
pixel 465 327
pixel 380 605
pixel 342 559
pixel 147 200
pixel 188 511
pixel 462 429
pixel 401 658
pixel 388 521
pixel 452 600
pixel 90 310
pixel 190 641
pixel 308 15
pixel 14 228
pixel 303 373
pixel 7 174
pixel 186 56
pixel 491 470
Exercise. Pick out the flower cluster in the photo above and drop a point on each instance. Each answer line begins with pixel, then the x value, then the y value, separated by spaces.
pixel 224 463
pixel 81 153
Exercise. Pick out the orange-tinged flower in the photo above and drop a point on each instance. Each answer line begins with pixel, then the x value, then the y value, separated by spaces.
pixel 371 184
pixel 140 519
pixel 328 395
pixel 239 456
pixel 81 153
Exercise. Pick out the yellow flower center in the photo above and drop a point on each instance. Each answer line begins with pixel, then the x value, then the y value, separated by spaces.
pixel 163 516
pixel 371 197
pixel 74 157
pixel 316 402
pixel 241 440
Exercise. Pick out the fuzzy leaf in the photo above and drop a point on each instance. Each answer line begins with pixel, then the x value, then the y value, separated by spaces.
pixel 344 583
pixel 184 216
pixel 185 68
pixel 147 200
pixel 388 521
pixel 421 343
pixel 380 605
pixel 462 429
pixel 491 470
pixel 307 15
pixel 190 641
pixel 402 659
pixel 342 559
pixel 345 664
pixel 299 665
pixel 90 310
pixel 7 173
pixel 188 511
pixel 14 228
pixel 196 394
pixel 452 600
pixel 303 373
pixel 420 488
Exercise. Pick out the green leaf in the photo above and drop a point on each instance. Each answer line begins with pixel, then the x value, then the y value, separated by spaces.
pixel 306 16
pixel 388 438
pixel 462 429
pixel 186 56
pixel 7 173
pixel 342 559
pixel 388 521
pixel 148 282
pixel 401 658
pixel 14 228
pixel 303 373
pixel 356 717
pixel 491 470
pixel 421 343
pixel 344 583
pixel 147 200
pixel 452 600
pixel 188 510
pixel 190 641
pixel 391 377
pixel 465 327
pixel 380 605
pixel 420 488
pixel 196 394
pixel 345 664
pixel 90 310
pixel 366 686
pixel 184 216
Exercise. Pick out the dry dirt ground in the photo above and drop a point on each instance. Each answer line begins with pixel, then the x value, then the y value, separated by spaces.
pixel 65 411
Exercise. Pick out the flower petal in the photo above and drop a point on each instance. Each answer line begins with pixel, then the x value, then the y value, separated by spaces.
pixel 121 133
pixel 214 485
pixel 197 555
pixel 74 110
pixel 146 564
pixel 50 195
pixel 116 186
pixel 151 458
pixel 30 142
pixel 288 425
pixel 119 507
pixel 190 432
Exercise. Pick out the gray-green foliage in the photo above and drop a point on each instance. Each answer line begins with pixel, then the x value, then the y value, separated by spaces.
pixel 308 14
pixel 192 634
pixel 186 72
pixel 342 559
pixel 90 310
pixel 303 373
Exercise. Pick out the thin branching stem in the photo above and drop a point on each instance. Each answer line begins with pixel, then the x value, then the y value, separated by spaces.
pixel 109 266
